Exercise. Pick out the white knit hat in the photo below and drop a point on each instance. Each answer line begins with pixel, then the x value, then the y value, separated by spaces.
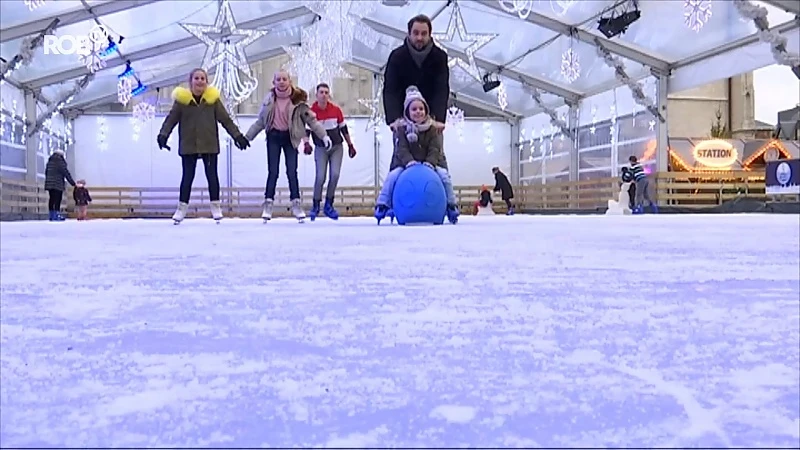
pixel 412 94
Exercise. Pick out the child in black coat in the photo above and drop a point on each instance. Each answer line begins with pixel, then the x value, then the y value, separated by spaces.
pixel 82 198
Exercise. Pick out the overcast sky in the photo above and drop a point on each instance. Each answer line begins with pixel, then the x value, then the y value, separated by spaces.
pixel 776 89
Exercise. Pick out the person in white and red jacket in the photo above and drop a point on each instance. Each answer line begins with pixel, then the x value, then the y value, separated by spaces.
pixel 330 116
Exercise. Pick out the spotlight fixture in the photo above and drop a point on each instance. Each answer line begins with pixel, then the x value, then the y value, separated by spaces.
pixel 490 82
pixel 618 24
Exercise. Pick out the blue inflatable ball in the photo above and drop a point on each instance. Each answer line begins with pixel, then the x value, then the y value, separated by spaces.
pixel 419 197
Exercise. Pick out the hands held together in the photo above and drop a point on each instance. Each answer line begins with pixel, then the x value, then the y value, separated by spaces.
pixel 240 141
pixel 414 163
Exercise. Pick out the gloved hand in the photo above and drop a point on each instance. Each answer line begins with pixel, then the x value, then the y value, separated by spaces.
pixel 411 163
pixel 327 141
pixel 241 142
pixel 162 142
pixel 351 151
pixel 308 148
pixel 426 163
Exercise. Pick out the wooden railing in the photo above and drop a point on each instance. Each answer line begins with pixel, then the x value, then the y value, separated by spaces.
pixel 672 188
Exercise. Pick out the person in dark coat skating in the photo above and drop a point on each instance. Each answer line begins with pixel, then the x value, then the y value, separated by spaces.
pixel 419 62
pixel 503 186
pixel 55 173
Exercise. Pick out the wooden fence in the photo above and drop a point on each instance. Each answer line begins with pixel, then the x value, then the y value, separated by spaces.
pixel 671 188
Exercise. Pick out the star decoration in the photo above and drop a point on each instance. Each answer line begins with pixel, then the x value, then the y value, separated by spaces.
pixel 475 40
pixel 342 24
pixel 374 104
pixel 311 63
pixel 226 56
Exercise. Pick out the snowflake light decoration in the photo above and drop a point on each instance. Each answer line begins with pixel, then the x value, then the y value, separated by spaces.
pixel 124 90
pixel 593 128
pixel 570 66
pixel 143 112
pixel 136 129
pixel 455 115
pixel 696 13
pixel 561 7
pixel 502 97
pixel 102 133
pixel 376 117
pixel 33 4
pixel 521 8
pixel 488 137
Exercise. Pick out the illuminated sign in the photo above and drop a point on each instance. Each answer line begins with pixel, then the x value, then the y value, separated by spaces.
pixel 715 153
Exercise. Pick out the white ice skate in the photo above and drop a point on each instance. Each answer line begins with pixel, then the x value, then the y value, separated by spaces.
pixel 297 210
pixel 180 213
pixel 266 212
pixel 216 211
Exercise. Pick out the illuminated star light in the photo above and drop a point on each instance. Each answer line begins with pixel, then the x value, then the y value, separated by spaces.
pixel 476 42
pixel 227 57
pixel 342 25
pixel 313 62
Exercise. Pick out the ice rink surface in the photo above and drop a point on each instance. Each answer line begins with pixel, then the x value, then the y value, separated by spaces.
pixel 565 331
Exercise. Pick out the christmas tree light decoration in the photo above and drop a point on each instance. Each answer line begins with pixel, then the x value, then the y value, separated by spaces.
pixel 311 62
pixel 102 133
pixel 488 137
pixel 502 97
pixel 33 4
pixel 475 40
pixel 455 115
pixel 570 66
pixel 341 24
pixel 233 76
pixel 696 13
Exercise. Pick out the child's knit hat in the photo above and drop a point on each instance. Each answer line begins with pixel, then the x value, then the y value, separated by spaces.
pixel 412 94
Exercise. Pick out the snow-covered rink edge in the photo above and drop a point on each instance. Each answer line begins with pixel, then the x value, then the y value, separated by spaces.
pixel 524 331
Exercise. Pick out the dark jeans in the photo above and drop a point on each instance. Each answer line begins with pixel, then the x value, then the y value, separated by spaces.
pixel 508 203
pixel 277 141
pixel 189 163
pixel 54 200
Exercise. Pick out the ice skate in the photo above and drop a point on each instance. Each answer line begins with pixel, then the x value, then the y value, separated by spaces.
pixel 216 211
pixel 380 212
pixel 314 212
pixel 297 210
pixel 510 211
pixel 330 211
pixel 266 210
pixel 180 213
pixel 452 214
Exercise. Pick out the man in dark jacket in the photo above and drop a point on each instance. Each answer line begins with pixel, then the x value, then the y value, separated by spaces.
pixel 503 186
pixel 54 174
pixel 417 62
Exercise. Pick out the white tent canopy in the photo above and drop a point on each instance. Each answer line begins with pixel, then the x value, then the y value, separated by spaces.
pixel 526 52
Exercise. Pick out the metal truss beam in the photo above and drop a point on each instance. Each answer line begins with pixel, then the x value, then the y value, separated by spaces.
pixel 69 18
pixel 614 46
pixel 735 45
pixel 792 6
pixel 162 49
pixel 545 85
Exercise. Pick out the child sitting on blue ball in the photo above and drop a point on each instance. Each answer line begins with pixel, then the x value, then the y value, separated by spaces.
pixel 416 142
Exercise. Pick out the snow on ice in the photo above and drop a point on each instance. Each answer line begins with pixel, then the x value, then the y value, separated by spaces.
pixel 634 331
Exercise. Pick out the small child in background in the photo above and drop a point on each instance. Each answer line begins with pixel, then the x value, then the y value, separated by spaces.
pixel 485 200
pixel 82 198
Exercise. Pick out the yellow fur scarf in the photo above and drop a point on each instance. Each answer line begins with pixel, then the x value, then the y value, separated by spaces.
pixel 184 96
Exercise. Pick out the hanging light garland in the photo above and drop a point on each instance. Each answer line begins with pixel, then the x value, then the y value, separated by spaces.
pixel 554 119
pixel 340 25
pixel 475 42
pixel 102 133
pixel 502 96
pixel 376 117
pixel 488 137
pixel 455 121
pixel 758 14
